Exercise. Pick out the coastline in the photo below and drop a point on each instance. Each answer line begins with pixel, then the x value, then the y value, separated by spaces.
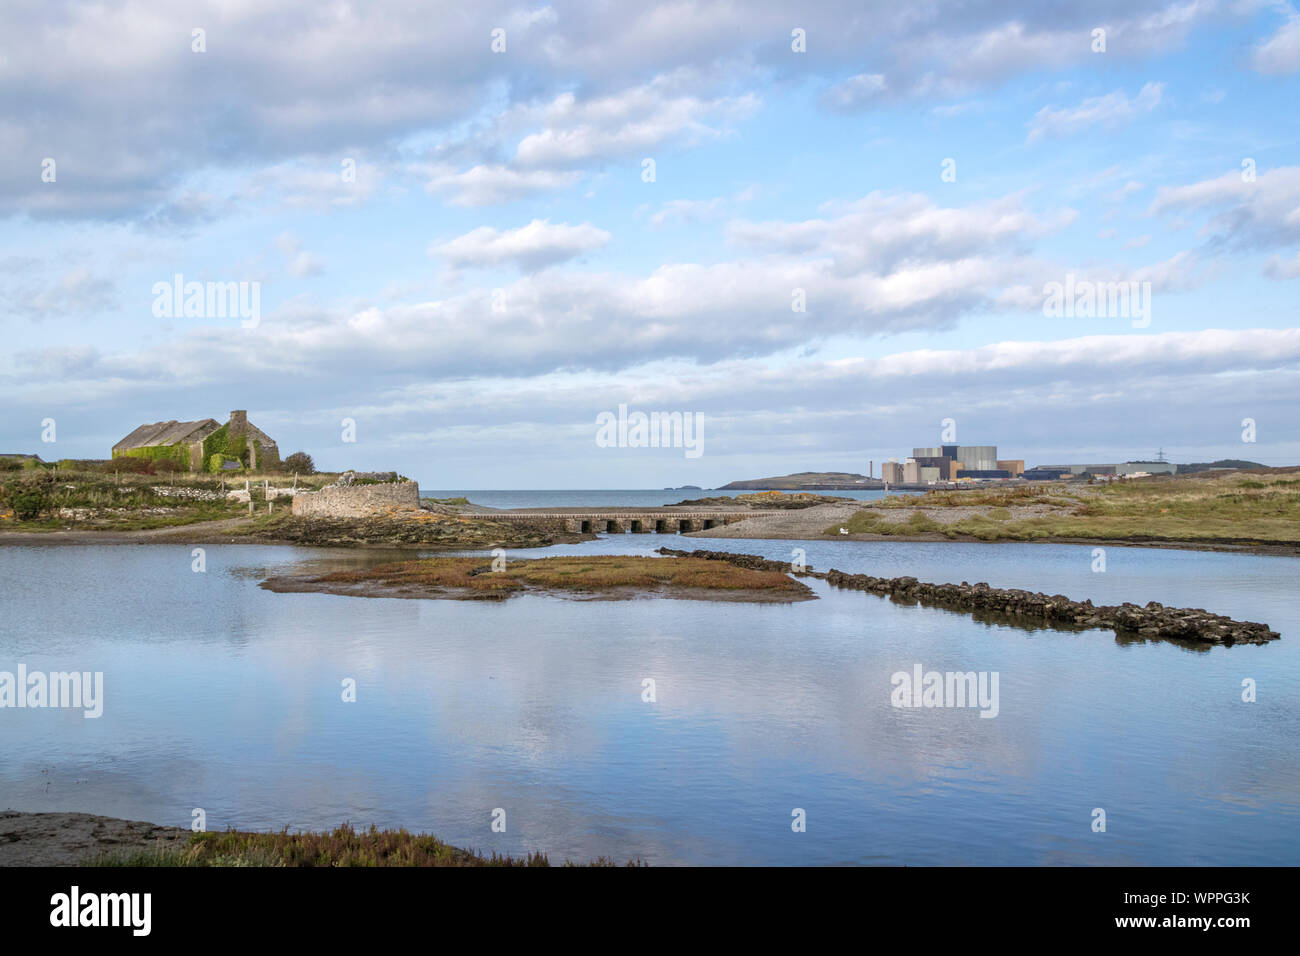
pixel 71 839
pixel 746 530
pixel 810 524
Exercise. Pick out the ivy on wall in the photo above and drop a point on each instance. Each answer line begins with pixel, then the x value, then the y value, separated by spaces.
pixel 177 453
pixel 221 442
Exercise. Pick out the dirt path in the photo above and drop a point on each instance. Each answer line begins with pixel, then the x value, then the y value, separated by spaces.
pixel 803 523
pixel 201 532
pixel 67 839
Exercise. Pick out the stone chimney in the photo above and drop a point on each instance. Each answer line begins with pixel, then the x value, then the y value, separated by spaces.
pixel 239 418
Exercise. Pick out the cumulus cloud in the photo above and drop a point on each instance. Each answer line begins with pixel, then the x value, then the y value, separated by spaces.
pixel 294 80
pixel 1258 213
pixel 1108 111
pixel 1280 53
pixel 487 185
pixel 534 246
pixel 29 291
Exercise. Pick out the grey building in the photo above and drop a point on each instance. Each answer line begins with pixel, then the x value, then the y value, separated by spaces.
pixel 978 457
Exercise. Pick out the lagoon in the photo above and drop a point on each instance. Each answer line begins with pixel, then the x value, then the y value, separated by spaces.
pixel 222 696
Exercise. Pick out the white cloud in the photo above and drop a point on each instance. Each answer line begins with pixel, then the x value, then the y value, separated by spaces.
pixel 1108 111
pixel 579 131
pixel 1259 213
pixel 534 246
pixel 1280 53
pixel 1279 268
pixel 488 185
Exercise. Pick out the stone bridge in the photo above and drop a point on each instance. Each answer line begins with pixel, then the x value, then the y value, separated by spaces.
pixel 660 521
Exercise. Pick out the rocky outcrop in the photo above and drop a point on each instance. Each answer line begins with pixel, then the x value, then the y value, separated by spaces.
pixel 1152 620
pixel 751 561
pixel 1029 608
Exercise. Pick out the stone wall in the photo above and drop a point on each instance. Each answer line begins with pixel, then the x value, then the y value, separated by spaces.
pixel 357 501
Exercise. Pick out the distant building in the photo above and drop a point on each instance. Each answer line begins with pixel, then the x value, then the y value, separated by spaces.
pixel 180 441
pixel 1015 467
pixel 192 444
pixel 1082 469
pixel 1045 474
pixel 945 468
pixel 978 457
pixel 891 472
pixel 1146 467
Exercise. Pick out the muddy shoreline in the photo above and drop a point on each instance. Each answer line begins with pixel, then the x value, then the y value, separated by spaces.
pixel 71 839
pixel 285 584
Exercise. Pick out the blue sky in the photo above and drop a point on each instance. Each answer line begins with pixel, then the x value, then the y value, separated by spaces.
pixel 516 178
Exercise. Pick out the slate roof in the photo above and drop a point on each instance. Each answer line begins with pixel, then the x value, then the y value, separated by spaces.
pixel 167 433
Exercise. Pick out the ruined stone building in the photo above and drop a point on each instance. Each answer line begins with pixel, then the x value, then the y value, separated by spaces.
pixel 204 445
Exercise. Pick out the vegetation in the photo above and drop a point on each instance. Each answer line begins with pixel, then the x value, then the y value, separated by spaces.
pixel 1261 507
pixel 27 500
pixel 812 480
pixel 123 494
pixel 221 442
pixel 592 573
pixel 177 456
pixel 447 501
pixel 342 847
pixel 769 500
pixel 300 463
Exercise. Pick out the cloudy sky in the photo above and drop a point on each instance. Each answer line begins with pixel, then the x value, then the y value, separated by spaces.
pixel 475 227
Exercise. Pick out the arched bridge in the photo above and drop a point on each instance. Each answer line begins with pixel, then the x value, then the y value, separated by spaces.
pixel 595 521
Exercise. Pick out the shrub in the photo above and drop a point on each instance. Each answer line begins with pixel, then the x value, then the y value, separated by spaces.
pixel 300 463
pixel 28 500
pixel 131 465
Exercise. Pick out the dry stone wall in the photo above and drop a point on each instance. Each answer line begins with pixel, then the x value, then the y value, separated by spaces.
pixel 357 501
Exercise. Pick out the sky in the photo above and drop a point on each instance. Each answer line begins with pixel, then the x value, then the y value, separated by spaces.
pixel 820 230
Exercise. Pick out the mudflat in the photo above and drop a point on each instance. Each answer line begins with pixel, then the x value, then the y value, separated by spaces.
pixel 70 839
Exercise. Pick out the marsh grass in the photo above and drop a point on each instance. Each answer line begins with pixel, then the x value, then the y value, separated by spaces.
pixel 589 573
pixel 1262 509
pixel 343 846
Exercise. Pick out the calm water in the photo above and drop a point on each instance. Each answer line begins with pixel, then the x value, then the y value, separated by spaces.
pixel 223 696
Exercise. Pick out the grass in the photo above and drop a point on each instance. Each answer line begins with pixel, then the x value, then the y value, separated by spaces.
pixel 341 847
pixel 1248 509
pixel 92 500
pixel 590 573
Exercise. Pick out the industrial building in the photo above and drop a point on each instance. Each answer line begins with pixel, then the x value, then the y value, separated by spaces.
pixel 948 463
pixel 951 462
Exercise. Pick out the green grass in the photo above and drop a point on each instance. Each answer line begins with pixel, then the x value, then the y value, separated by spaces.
pixel 1262 509
pixel 341 847
pixel 598 573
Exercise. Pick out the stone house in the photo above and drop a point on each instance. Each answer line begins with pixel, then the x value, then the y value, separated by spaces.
pixel 193 444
